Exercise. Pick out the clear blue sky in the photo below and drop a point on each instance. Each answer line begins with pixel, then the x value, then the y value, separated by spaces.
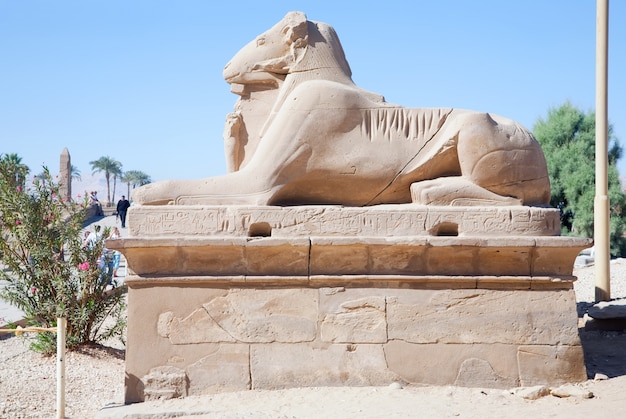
pixel 141 80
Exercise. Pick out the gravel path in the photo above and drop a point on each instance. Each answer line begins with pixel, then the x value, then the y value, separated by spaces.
pixel 585 286
pixel 95 376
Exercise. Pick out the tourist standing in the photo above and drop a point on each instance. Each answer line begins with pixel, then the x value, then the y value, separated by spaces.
pixel 115 234
pixel 94 202
pixel 122 208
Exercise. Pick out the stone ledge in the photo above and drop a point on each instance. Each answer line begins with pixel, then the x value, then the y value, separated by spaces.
pixel 310 256
pixel 325 220
pixel 432 282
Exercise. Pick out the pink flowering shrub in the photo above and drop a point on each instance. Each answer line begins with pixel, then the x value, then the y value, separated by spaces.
pixel 49 273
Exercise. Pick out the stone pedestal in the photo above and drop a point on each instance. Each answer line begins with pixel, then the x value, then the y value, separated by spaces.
pixel 235 298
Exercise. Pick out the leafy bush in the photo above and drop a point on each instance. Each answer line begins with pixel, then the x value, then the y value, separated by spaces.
pixel 48 270
pixel 567 137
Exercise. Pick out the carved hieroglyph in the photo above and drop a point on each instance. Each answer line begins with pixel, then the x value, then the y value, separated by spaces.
pixel 304 133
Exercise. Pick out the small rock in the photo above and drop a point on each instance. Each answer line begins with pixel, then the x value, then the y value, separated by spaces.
pixel 615 309
pixel 600 376
pixel 531 393
pixel 569 390
pixel 396 386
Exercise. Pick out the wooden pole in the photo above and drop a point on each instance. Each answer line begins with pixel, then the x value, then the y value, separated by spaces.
pixel 60 331
pixel 601 201
pixel 61 325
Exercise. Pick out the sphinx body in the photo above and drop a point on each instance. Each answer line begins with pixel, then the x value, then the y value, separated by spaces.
pixel 304 133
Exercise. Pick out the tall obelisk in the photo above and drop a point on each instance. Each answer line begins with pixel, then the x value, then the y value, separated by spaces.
pixel 65 174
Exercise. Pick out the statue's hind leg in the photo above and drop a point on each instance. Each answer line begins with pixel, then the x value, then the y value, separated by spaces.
pixel 502 158
pixel 456 190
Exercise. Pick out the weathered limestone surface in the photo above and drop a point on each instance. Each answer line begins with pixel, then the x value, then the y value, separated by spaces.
pixel 508 317
pixel 260 338
pixel 308 241
pixel 384 221
pixel 240 316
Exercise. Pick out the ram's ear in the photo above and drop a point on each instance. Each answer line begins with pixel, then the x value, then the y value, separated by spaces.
pixel 296 33
pixel 296 29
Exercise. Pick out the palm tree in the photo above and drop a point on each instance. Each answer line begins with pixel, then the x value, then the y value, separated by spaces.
pixel 75 173
pixel 107 165
pixel 135 178
pixel 116 171
pixel 16 170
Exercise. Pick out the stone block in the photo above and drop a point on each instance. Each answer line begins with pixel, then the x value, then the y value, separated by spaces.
pixel 246 315
pixel 279 366
pixel 460 316
pixel 335 255
pixel 225 369
pixel 554 256
pixel 270 256
pixel 551 364
pixel 220 259
pixel 475 365
pixel 198 327
pixel 446 259
pixel 403 220
pixel 403 257
pixel 514 260
pixel 165 382
pixel 358 320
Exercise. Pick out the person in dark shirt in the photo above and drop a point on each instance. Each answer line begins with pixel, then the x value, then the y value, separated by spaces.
pixel 122 208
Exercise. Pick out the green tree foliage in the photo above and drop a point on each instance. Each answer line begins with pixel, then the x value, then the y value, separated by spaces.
pixel 116 171
pixel 75 173
pixel 109 166
pixel 567 137
pixel 135 178
pixel 16 172
pixel 48 270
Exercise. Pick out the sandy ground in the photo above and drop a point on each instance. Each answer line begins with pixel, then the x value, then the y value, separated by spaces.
pixel 389 402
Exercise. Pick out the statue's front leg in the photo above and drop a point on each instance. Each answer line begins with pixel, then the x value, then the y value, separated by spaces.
pixel 233 142
pixel 279 159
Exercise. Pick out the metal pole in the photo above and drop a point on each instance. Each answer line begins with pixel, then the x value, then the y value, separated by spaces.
pixel 61 323
pixel 601 201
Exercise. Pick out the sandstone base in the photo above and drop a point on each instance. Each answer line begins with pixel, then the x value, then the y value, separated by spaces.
pixel 247 311
pixel 199 339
